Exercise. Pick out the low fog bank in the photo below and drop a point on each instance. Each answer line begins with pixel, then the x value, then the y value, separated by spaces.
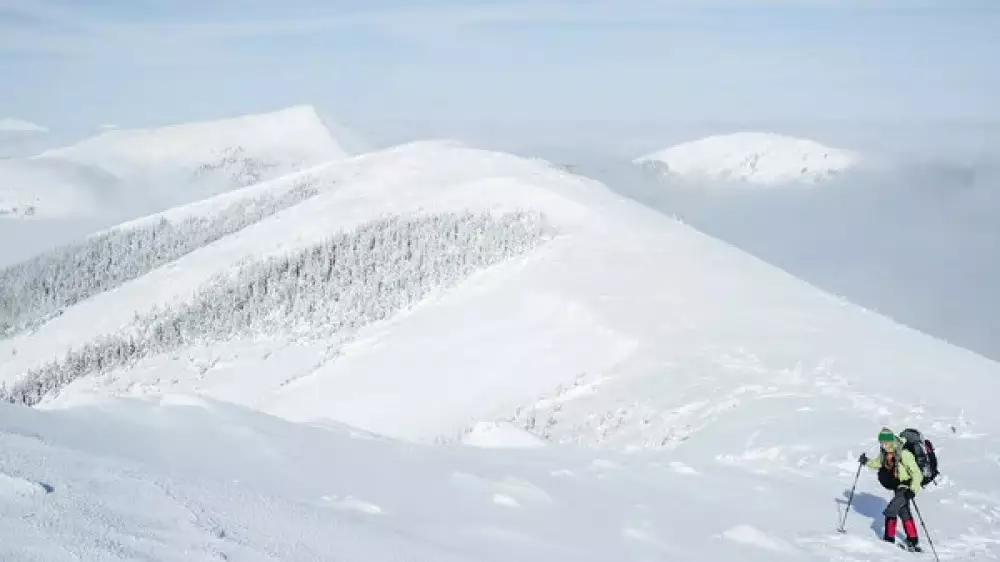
pixel 916 240
pixel 21 239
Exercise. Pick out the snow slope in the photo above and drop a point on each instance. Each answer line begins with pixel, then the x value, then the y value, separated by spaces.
pixel 622 301
pixel 752 158
pixel 181 478
pixel 147 170
pixel 673 397
pixel 243 150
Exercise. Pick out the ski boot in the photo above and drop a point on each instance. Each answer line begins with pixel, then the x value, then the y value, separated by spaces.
pixel 910 545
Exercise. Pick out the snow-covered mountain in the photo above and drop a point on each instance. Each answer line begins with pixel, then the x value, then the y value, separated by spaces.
pixel 752 158
pixel 670 395
pixel 147 170
pixel 241 150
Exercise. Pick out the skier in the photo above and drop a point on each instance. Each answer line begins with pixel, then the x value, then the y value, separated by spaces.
pixel 898 471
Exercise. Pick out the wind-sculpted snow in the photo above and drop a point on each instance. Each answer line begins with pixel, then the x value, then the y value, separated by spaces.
pixel 327 291
pixel 34 290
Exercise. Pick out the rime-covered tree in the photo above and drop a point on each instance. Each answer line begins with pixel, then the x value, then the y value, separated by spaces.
pixel 34 290
pixel 327 291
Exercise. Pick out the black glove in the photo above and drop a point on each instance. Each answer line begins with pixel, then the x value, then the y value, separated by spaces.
pixel 908 492
pixel 863 459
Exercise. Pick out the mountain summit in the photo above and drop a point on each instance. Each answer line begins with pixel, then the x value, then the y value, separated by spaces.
pixel 753 158
pixel 140 171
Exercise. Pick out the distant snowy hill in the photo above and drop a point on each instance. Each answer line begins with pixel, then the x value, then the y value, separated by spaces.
pixel 669 395
pixel 136 172
pixel 209 157
pixel 752 158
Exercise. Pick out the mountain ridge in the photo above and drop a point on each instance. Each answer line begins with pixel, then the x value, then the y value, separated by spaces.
pixel 152 169
pixel 645 390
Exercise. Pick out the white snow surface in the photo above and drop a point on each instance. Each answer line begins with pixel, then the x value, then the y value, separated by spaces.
pixel 631 390
pixel 501 435
pixel 180 477
pixel 279 142
pixel 152 169
pixel 626 312
pixel 753 158
pixel 10 124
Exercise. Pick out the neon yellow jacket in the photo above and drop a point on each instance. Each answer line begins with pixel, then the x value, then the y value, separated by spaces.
pixel 906 468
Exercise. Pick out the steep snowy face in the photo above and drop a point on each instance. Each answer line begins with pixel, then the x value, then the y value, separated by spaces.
pixel 753 158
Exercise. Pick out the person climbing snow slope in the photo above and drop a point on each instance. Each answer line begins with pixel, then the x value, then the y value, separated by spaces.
pixel 897 471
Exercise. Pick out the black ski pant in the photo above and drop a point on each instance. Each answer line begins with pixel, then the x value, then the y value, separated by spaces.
pixel 899 506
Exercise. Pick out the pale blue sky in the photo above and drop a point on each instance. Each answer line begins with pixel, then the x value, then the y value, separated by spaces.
pixel 69 63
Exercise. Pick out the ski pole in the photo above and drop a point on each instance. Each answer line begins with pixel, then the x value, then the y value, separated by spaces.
pixel 926 532
pixel 850 499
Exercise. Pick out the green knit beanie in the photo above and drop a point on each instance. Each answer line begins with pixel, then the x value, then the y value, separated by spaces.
pixel 886 435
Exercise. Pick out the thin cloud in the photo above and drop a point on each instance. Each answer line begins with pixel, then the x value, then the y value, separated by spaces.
pixel 44 21
pixel 9 124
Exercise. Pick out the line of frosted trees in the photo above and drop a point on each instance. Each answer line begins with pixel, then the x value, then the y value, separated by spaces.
pixel 33 291
pixel 325 291
pixel 243 169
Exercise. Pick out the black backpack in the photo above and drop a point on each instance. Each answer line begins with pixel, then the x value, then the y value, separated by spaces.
pixel 923 451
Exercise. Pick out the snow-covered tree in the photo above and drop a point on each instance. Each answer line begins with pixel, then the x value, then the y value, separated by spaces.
pixel 33 291
pixel 325 292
